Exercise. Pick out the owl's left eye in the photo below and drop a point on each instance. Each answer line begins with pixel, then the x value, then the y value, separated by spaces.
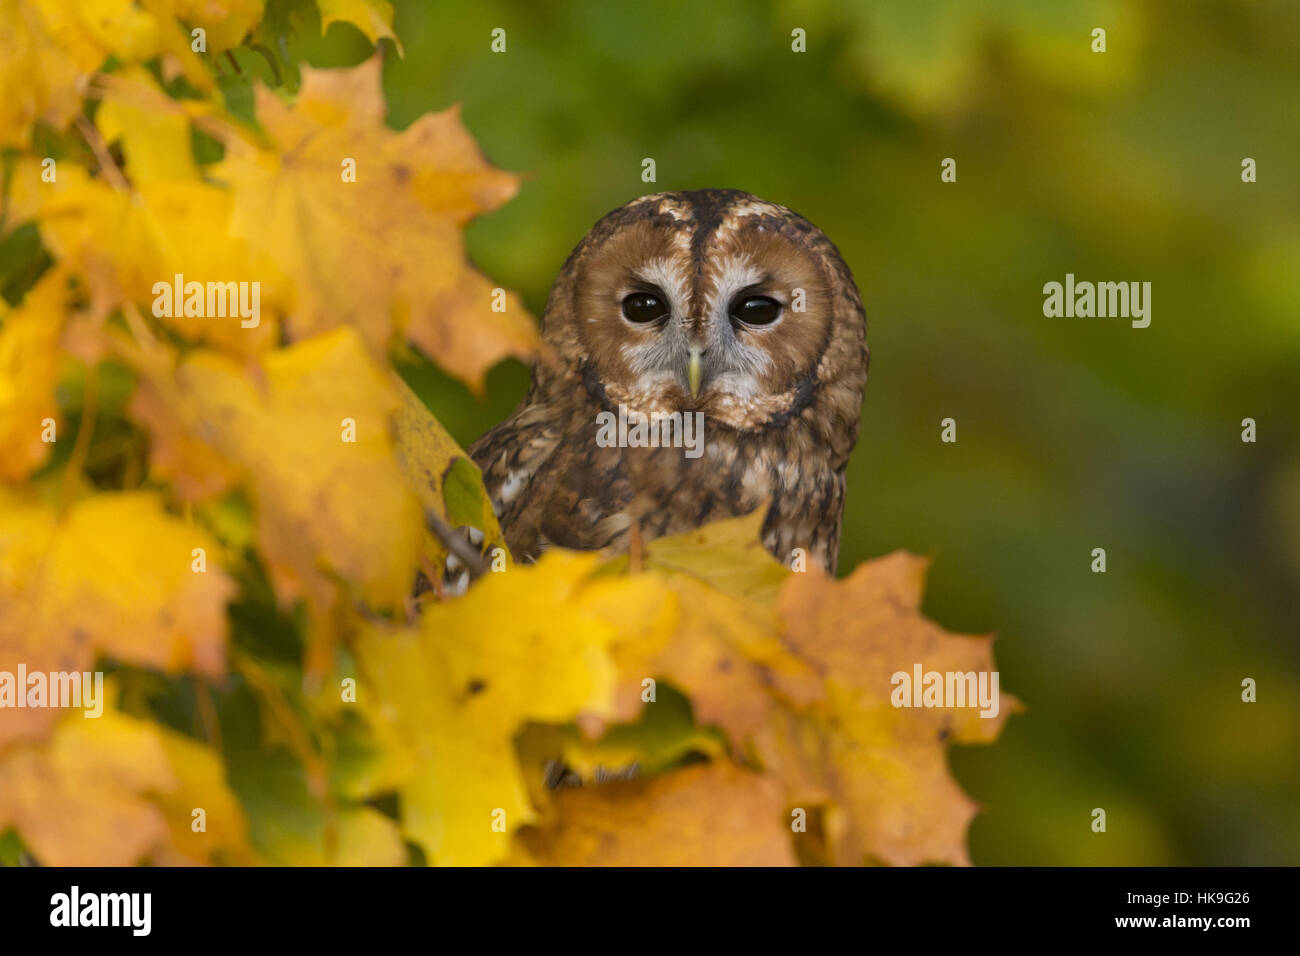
pixel 644 307
pixel 756 310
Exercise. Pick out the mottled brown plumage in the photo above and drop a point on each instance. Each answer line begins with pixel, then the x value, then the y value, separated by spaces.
pixel 780 400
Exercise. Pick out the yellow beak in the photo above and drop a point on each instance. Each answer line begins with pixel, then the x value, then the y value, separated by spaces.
pixel 694 371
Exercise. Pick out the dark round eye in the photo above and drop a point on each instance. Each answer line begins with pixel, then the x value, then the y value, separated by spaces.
pixel 756 310
pixel 644 307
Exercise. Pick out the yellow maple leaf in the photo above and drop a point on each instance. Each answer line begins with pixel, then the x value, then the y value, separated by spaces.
pixel 155 141
pixel 125 242
pixel 195 470
pixel 727 554
pixel 115 575
pixel 80 799
pixel 727 655
pixel 115 790
pixel 226 22
pixel 201 785
pixel 374 18
pixel 357 836
pixel 446 699
pixel 29 370
pixel 882 767
pixel 128 575
pixel 51 46
pixel 314 446
pixel 365 221
pixel 796 670
pixel 26 533
pixel 90 32
pixel 725 651
pixel 38 81
pixel 710 815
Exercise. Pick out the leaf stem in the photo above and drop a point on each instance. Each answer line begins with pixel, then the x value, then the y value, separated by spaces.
pixel 102 155
pixel 85 429
pixel 269 56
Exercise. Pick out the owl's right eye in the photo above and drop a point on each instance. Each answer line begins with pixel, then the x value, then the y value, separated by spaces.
pixel 644 307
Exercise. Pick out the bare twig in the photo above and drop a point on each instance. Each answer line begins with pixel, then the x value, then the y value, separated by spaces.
pixel 208 714
pixel 457 545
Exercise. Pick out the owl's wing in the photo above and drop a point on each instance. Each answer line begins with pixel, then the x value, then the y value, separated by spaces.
pixel 514 457
pixel 511 457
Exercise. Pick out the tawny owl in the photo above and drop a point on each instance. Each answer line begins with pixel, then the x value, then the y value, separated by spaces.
pixel 734 313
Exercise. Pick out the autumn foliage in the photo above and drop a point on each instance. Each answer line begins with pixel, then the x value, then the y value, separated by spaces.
pixel 182 506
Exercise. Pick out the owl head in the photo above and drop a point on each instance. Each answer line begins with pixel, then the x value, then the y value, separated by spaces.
pixel 713 301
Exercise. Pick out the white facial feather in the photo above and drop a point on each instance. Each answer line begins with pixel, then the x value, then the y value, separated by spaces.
pixel 729 276
pixel 733 362
pixel 662 358
pixel 670 276
pixel 737 359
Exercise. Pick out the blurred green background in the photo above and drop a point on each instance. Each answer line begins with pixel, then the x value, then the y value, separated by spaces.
pixel 1072 433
